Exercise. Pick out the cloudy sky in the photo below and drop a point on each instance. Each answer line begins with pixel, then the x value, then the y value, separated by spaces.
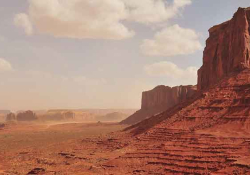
pixel 101 53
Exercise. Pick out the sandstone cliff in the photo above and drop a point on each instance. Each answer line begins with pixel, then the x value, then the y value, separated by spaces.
pixel 159 99
pixel 214 124
pixel 227 49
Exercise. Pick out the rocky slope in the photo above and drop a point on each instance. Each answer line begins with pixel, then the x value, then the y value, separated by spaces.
pixel 160 99
pixel 208 134
pixel 227 49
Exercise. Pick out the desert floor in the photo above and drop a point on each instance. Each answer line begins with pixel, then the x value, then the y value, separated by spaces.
pixel 70 148
pixel 100 149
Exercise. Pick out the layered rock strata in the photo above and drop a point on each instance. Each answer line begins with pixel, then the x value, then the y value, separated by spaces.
pixel 227 49
pixel 159 99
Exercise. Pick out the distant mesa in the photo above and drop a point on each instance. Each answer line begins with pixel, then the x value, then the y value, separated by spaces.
pixel 26 116
pixel 11 117
pixel 22 116
pixel 58 115
pixel 32 116
pixel 112 117
pixel 160 99
pixel 87 115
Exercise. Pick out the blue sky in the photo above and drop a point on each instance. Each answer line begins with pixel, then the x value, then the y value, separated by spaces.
pixel 47 62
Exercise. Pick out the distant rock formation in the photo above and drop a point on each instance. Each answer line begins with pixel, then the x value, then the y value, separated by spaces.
pixel 52 117
pixel 166 96
pixel 227 50
pixel 112 117
pixel 160 99
pixel 69 115
pixel 57 115
pixel 26 116
pixel 10 117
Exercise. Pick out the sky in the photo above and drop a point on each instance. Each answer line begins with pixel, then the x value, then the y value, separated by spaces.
pixel 101 53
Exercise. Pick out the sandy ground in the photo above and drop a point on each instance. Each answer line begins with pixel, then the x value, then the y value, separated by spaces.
pixel 100 149
pixel 52 149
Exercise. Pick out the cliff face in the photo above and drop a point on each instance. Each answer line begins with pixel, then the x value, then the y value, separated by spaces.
pixel 227 49
pixel 214 123
pixel 159 99
pixel 166 96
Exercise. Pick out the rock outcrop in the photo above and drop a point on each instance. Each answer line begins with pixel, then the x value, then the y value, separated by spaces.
pixel 57 115
pixel 11 117
pixel 213 124
pixel 227 49
pixel 166 96
pixel 26 116
pixel 160 99
pixel 112 117
pixel 208 134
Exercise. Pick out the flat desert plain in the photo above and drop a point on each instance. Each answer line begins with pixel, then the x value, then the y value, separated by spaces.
pixel 69 148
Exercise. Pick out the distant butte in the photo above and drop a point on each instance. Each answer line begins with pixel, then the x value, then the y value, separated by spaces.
pixel 160 99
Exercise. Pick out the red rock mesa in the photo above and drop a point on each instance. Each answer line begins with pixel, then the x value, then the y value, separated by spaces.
pixel 160 99
pixel 227 49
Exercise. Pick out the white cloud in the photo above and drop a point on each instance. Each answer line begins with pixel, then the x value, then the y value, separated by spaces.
pixel 22 20
pixel 172 41
pixel 80 18
pixel 181 3
pixel 95 19
pixel 154 11
pixel 171 70
pixel 5 65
